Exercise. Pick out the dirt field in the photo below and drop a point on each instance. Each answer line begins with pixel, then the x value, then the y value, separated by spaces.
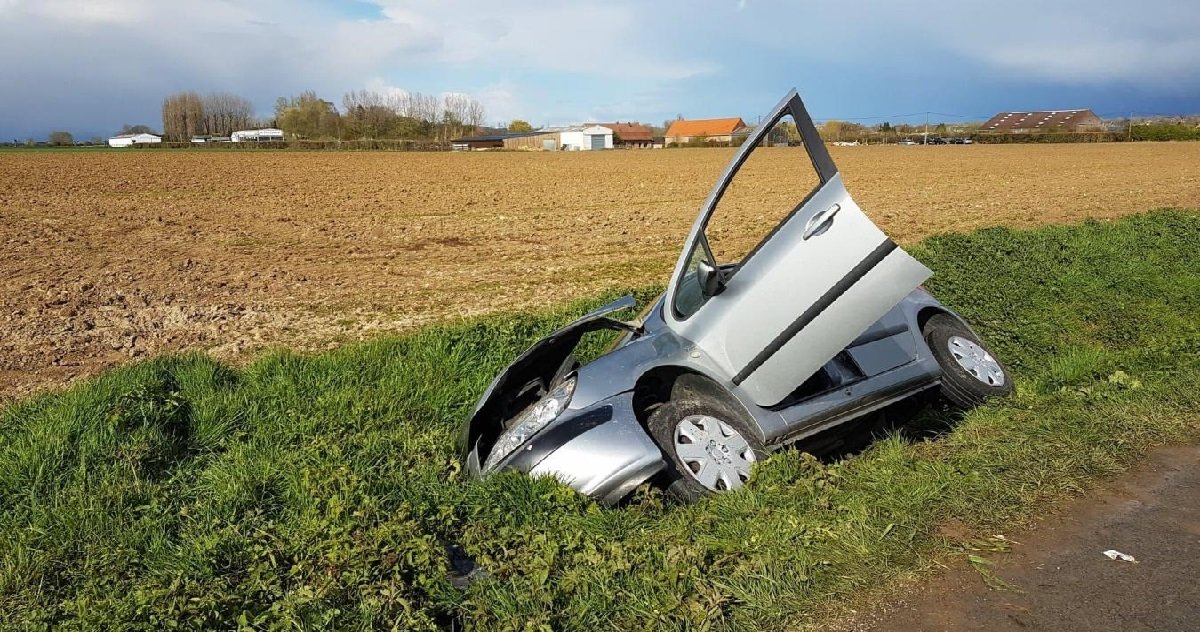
pixel 110 256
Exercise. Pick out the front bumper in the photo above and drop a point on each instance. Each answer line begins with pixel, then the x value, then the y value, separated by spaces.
pixel 601 451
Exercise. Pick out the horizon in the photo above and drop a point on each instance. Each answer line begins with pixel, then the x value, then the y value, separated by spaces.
pixel 90 67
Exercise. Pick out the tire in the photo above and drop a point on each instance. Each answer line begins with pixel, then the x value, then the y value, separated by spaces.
pixel 680 478
pixel 949 340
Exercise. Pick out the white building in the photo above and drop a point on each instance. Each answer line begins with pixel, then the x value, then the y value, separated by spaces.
pixel 267 135
pixel 586 138
pixel 128 140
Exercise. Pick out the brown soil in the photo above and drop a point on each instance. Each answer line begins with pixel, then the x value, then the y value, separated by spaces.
pixel 116 255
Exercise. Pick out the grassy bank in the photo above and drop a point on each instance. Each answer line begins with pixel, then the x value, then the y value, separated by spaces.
pixel 323 491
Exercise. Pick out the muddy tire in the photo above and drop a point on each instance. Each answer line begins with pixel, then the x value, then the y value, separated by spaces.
pixel 708 447
pixel 970 373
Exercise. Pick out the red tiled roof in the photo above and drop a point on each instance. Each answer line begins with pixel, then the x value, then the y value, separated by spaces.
pixel 630 131
pixel 704 127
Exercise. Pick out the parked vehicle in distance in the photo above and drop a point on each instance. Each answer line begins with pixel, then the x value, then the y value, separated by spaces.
pixel 907 141
pixel 821 324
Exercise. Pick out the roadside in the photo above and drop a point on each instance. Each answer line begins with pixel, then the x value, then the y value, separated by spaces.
pixel 1059 577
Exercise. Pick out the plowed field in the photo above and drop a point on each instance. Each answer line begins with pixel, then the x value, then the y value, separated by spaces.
pixel 109 256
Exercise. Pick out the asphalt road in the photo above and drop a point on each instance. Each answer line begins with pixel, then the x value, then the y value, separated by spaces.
pixel 1061 579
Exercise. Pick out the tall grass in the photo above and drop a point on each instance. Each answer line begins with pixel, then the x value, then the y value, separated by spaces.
pixel 324 491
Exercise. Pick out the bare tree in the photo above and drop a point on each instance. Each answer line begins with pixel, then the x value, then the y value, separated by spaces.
pixel 475 114
pixel 226 113
pixel 183 116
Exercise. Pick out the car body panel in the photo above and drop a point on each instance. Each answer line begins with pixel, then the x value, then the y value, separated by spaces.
pixel 599 447
pixel 540 361
pixel 815 283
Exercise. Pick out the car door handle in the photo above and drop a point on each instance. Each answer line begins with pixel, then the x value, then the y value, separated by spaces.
pixel 820 222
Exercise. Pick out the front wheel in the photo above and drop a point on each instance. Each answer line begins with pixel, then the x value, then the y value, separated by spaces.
pixel 708 447
pixel 970 373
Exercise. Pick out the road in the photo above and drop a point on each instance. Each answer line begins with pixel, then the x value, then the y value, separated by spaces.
pixel 1061 579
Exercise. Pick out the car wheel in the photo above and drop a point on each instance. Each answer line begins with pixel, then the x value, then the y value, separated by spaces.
pixel 970 373
pixel 709 448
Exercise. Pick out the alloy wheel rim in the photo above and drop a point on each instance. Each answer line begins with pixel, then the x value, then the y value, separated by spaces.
pixel 713 452
pixel 976 360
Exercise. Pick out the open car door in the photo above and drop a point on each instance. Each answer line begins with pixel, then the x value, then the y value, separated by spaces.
pixel 820 274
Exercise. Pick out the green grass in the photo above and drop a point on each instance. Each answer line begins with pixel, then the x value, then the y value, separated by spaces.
pixel 321 491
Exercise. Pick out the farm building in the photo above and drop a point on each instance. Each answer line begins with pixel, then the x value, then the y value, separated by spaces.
pixel 574 138
pixel 722 130
pixel 585 138
pixel 630 135
pixel 1062 120
pixel 129 140
pixel 546 140
pixel 267 135
pixel 489 141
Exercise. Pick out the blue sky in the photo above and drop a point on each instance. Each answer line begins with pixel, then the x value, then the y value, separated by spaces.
pixel 89 66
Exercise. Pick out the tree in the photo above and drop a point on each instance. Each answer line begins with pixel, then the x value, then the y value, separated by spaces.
pixel 841 130
pixel 136 129
pixel 183 116
pixel 308 116
pixel 520 126
pixel 225 113
pixel 61 139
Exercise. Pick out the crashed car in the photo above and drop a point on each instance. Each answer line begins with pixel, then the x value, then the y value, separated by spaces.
pixel 822 323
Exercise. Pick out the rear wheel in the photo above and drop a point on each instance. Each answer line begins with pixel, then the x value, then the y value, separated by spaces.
pixel 970 373
pixel 709 447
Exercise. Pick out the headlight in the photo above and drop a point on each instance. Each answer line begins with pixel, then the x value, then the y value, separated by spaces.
pixel 546 410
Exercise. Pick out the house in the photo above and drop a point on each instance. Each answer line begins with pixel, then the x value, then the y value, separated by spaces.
pixel 630 135
pixel 720 130
pixel 1059 120
pixel 267 135
pixel 129 140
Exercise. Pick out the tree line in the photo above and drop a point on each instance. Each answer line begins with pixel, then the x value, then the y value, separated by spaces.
pixel 188 114
pixel 364 115
pixel 371 115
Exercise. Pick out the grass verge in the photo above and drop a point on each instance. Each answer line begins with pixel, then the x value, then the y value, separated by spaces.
pixel 322 491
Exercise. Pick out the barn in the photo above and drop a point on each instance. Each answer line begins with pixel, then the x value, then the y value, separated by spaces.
pixel 1058 120
pixel 586 138
pixel 630 135
pixel 573 138
pixel 490 141
pixel 129 140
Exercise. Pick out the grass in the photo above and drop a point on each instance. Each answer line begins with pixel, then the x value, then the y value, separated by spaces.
pixel 322 491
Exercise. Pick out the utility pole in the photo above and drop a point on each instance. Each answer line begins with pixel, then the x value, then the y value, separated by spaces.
pixel 925 141
pixel 1130 133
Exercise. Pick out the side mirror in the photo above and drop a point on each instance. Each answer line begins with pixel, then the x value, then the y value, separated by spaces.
pixel 709 277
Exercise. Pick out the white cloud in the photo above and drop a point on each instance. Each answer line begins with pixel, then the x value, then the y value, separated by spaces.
pixel 606 39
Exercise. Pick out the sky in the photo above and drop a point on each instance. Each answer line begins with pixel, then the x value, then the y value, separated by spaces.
pixel 91 66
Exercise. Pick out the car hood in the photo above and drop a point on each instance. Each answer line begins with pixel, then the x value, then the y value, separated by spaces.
pixel 540 362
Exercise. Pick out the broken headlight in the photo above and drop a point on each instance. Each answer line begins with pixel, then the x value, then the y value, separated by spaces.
pixel 530 422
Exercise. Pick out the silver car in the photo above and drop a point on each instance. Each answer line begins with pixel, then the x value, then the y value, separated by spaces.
pixel 821 323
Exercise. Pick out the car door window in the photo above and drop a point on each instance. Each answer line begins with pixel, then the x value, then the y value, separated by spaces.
pixel 773 182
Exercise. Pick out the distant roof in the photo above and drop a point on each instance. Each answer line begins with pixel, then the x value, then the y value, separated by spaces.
pixel 1034 120
pixel 705 127
pixel 630 131
pixel 139 134
pixel 483 138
